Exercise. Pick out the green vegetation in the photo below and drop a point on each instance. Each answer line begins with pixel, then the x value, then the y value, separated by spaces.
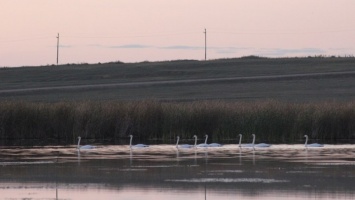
pixel 271 121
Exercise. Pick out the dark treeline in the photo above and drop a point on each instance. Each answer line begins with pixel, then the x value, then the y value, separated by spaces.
pixel 271 121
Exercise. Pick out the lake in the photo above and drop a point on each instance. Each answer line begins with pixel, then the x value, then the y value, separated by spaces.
pixel 163 172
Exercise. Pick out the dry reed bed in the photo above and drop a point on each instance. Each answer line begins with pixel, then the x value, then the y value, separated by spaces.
pixel 271 121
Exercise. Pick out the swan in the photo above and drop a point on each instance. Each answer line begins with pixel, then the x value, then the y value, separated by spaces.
pixel 137 145
pixel 240 140
pixel 260 145
pixel 202 144
pixel 311 145
pixel 184 146
pixel 212 144
pixel 85 146
pixel 245 145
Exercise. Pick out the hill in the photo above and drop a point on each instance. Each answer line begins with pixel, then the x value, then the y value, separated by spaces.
pixel 246 79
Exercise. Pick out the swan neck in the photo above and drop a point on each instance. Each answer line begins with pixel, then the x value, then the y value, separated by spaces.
pixel 240 140
pixel 195 142
pixel 177 142
pixel 253 144
pixel 78 143
pixel 305 144
pixel 130 142
pixel 206 139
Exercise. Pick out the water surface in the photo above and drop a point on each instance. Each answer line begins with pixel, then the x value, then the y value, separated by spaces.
pixel 163 172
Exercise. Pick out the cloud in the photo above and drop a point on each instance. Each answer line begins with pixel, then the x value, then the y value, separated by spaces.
pixel 131 46
pixel 65 46
pixel 220 50
pixel 228 50
pixel 182 47
pixel 224 50
pixel 142 46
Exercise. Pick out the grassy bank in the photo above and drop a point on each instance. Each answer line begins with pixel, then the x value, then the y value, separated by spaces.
pixel 271 121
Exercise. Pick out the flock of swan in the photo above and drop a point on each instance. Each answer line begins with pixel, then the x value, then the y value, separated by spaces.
pixel 203 145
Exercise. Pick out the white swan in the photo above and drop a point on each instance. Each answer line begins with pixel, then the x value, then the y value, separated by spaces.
pixel 260 145
pixel 240 140
pixel 212 144
pixel 137 145
pixel 183 146
pixel 85 146
pixel 311 145
pixel 202 144
pixel 250 145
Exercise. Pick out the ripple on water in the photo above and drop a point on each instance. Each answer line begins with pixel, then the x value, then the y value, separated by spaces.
pixel 225 171
pixel 227 180
pixel 291 153
pixel 26 163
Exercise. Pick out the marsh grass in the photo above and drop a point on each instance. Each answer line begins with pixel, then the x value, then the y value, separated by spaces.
pixel 271 121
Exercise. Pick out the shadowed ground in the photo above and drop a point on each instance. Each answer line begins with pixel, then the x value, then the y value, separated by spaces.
pixel 285 79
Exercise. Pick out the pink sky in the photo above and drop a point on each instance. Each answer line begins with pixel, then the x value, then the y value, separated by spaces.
pixel 94 31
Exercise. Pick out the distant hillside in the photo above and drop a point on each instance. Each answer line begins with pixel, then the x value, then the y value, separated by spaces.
pixel 240 79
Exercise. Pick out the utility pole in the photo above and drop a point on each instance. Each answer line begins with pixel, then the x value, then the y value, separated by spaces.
pixel 205 44
pixel 57 48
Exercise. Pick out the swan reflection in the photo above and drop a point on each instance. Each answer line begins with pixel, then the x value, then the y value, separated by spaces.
pixel 78 156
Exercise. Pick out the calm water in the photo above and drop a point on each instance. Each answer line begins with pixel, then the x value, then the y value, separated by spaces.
pixel 162 172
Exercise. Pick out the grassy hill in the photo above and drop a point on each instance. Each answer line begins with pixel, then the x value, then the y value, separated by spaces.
pixel 246 79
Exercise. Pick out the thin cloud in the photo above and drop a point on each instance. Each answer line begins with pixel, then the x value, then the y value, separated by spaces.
pixel 182 47
pixel 131 46
pixel 278 52
pixel 228 50
pixel 65 46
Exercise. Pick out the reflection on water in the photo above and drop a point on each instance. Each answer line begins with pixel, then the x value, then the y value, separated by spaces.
pixel 164 172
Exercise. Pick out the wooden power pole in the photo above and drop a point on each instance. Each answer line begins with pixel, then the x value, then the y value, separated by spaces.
pixel 57 48
pixel 205 44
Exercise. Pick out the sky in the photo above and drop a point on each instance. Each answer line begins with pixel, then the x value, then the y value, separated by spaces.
pixel 92 31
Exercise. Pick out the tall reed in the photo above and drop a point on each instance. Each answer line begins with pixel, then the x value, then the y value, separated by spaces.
pixel 271 121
